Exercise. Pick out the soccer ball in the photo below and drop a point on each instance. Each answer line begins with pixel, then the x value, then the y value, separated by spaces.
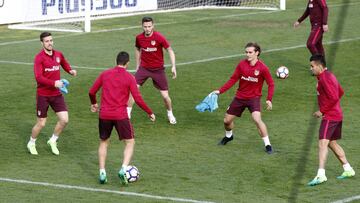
pixel 132 174
pixel 282 72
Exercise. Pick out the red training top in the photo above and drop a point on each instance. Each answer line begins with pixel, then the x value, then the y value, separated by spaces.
pixel 251 79
pixel 151 50
pixel 329 93
pixel 116 84
pixel 47 71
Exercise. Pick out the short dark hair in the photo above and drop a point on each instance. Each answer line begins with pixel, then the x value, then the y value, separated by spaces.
pixel 147 19
pixel 122 58
pixel 44 34
pixel 318 58
pixel 255 45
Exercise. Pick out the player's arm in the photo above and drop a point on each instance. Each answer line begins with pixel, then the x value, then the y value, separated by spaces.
pixel 325 14
pixel 172 60
pixel 303 17
pixel 271 88
pixel 94 107
pixel 137 57
pixel 66 66
pixel 134 90
pixel 233 79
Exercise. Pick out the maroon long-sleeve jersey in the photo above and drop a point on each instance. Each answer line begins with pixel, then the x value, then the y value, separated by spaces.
pixel 116 84
pixel 318 12
pixel 251 79
pixel 47 71
pixel 329 93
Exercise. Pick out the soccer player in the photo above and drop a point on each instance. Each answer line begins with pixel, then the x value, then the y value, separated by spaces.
pixel 47 74
pixel 250 73
pixel 150 63
pixel 329 93
pixel 318 12
pixel 116 84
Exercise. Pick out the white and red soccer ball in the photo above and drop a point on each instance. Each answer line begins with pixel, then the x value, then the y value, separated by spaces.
pixel 282 72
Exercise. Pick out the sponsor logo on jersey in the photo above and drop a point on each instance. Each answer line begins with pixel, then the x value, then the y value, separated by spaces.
pixel 150 49
pixel 256 72
pixel 54 68
pixel 250 79
pixel 153 42
pixel 57 59
pixel 311 5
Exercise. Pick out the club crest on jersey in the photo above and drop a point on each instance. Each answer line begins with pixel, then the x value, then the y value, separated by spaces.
pixel 57 60
pixel 256 72
pixel 153 42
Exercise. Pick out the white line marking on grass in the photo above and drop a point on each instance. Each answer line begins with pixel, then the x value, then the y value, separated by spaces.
pixel 77 67
pixel 203 60
pixel 170 23
pixel 350 199
pixel 102 190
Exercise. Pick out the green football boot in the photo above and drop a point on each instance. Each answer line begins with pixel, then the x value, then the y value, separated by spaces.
pixel 347 174
pixel 317 180
pixel 122 176
pixel 53 146
pixel 102 178
pixel 32 148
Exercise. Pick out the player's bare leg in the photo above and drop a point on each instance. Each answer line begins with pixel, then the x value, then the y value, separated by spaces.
pixel 63 119
pixel 40 124
pixel 338 151
pixel 168 106
pixel 102 153
pixel 228 125
pixel 323 152
pixel 256 116
pixel 340 154
pixel 130 104
pixel 128 153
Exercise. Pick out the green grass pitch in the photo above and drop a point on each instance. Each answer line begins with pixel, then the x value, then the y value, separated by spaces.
pixel 183 161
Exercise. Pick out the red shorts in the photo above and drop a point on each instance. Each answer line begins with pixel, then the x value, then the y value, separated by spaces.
pixel 57 103
pixel 330 130
pixel 237 106
pixel 158 77
pixel 123 128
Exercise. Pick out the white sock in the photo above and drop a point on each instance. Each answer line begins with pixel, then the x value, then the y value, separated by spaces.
pixel 321 172
pixel 347 167
pixel 228 134
pixel 32 140
pixel 54 138
pixel 170 113
pixel 102 171
pixel 124 167
pixel 266 140
pixel 129 109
